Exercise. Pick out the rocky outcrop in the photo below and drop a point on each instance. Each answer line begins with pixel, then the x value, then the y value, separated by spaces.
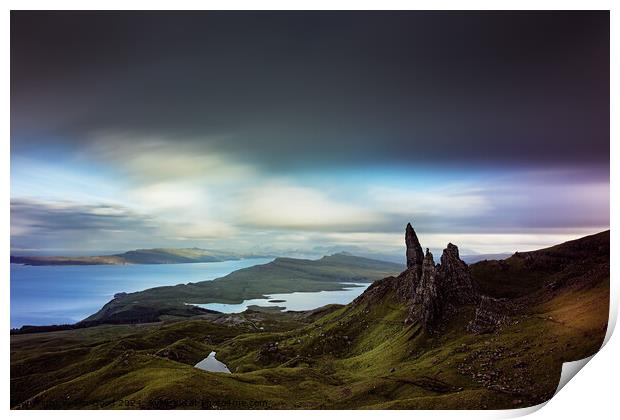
pixel 404 285
pixel 491 314
pixel 415 256
pixel 432 293
pixel 427 302
pixel 437 289
pixel 457 285
pixel 269 352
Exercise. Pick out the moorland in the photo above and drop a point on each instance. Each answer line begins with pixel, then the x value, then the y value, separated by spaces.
pixel 489 335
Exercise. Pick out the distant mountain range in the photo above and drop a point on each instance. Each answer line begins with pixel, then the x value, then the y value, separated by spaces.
pixel 140 256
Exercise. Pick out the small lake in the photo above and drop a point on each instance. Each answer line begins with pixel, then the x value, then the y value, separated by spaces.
pixel 45 295
pixel 211 364
pixel 297 301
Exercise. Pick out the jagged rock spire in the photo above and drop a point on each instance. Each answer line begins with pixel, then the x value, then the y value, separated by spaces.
pixel 432 293
pixel 427 300
pixel 441 289
pixel 415 256
pixel 427 279
pixel 458 286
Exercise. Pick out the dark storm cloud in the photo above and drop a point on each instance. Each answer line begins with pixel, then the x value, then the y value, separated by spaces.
pixel 314 88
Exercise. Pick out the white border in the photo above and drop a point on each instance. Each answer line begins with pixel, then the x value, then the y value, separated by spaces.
pixel 593 394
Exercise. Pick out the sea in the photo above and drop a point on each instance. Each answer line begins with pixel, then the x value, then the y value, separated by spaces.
pixel 47 295
pixel 65 294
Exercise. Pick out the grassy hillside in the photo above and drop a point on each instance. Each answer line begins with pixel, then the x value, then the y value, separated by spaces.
pixel 521 274
pixel 283 275
pixel 357 356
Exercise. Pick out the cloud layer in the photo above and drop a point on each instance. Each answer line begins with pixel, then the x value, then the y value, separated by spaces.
pixel 290 89
pixel 307 132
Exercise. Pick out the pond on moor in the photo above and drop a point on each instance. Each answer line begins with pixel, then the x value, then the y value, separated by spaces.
pixel 211 364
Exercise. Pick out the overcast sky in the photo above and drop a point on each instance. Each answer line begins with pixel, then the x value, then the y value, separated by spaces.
pixel 307 131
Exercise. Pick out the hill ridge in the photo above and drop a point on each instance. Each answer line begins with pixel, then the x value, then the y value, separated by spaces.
pixel 140 256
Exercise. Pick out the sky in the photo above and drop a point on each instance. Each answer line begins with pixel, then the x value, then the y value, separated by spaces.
pixel 307 132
